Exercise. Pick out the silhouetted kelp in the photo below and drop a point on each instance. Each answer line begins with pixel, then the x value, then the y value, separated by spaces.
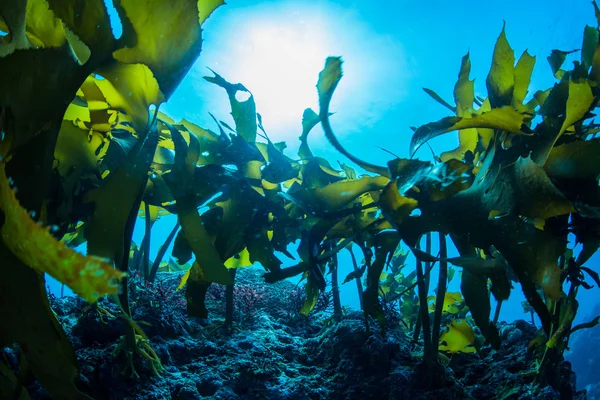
pixel 85 154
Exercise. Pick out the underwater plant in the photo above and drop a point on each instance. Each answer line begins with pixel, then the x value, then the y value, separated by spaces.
pixel 77 143
pixel 85 152
pixel 509 174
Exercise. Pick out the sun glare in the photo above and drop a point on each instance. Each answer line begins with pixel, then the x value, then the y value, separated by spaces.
pixel 281 69
pixel 278 51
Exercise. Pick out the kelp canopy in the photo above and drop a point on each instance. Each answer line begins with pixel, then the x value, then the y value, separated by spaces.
pixel 84 149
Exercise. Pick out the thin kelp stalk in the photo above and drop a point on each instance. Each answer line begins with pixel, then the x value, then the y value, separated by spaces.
pixel 137 260
pixel 62 290
pixel 162 251
pixel 368 260
pixel 127 184
pixel 497 312
pixel 130 342
pixel 424 279
pixel 359 286
pixel 335 288
pixel 229 301
pixel 553 353
pixel 564 312
pixel 428 264
pixel 439 300
pixel 147 240
pixel 418 324
pixel 424 314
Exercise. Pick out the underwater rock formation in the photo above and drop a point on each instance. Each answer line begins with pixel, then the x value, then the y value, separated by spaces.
pixel 271 356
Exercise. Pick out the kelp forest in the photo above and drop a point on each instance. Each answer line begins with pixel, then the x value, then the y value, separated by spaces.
pixel 86 154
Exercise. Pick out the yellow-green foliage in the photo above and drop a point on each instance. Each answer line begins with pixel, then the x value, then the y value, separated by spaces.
pixel 458 338
pixel 453 303
pixel 502 178
pixel 75 103
pixel 34 245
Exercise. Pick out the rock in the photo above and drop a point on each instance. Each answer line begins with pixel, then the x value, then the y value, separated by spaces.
pixel 188 392
pixel 278 355
pixel 514 335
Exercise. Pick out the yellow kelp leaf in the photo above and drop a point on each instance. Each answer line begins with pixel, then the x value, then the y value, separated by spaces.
pixel 167 36
pixel 81 51
pixel 43 28
pixel 238 210
pixel 464 94
pixel 568 311
pixel 337 195
pixel 130 89
pixel 309 120
pixel 89 21
pixel 464 90
pixel 522 73
pixel 453 303
pixel 596 11
pixel 556 60
pixel 317 172
pixel 395 207
pixel 172 266
pixel 34 245
pixel 154 213
pixel 211 148
pixel 253 169
pixel 329 77
pixel 78 114
pixel 575 160
pixel 92 95
pixel 349 171
pixel 312 295
pixel 501 79
pixel 548 276
pixel 467 139
pixel 240 260
pixel 76 237
pixel 595 71
pixel 505 118
pixel 78 151
pixel 439 99
pixel 458 338
pixel 184 279
pixel 268 185
pixel 208 259
pixel 538 196
pixel 449 178
pixel 578 104
pixel 13 15
pixel 117 201
pixel 588 47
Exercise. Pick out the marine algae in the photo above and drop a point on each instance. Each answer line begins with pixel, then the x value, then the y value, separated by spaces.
pixel 88 276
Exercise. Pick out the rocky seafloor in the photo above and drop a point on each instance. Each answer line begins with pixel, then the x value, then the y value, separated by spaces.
pixel 274 353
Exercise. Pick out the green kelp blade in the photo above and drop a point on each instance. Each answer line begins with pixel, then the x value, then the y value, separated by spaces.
pixel 199 240
pixel 505 118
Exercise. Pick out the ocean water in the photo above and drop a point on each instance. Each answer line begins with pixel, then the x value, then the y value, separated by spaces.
pixel 391 50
